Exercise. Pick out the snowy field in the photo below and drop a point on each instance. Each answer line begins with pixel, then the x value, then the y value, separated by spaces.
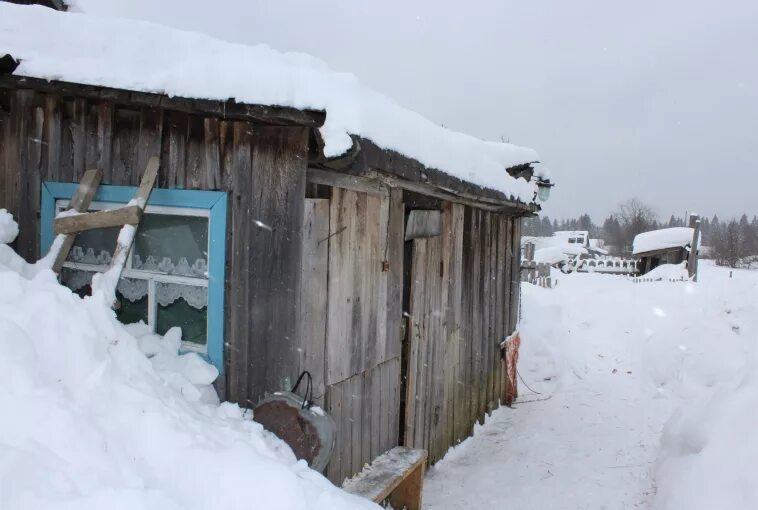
pixel 647 399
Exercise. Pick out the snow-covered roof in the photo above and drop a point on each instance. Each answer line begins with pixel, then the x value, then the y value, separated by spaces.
pixel 147 57
pixel 550 255
pixel 559 242
pixel 571 233
pixel 675 237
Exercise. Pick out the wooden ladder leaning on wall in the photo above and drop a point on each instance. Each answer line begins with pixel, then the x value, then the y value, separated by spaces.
pixel 76 219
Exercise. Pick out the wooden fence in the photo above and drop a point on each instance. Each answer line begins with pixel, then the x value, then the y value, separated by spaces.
pixel 536 273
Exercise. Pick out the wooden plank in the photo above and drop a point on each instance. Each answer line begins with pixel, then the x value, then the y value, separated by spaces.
pixel 484 314
pixel 347 181
pixel 107 285
pixel 394 417
pixel 11 156
pixel 341 302
pixel 125 140
pixel 455 326
pixel 80 202
pixel 515 252
pixel 26 130
pixel 508 265
pixel 356 330
pixel 399 471
pixel 437 299
pixel 476 340
pixel 279 158
pixel 176 169
pixel 196 158
pixel 412 399
pixel 500 305
pixel 239 279
pixel 408 494
pixel 376 407
pixel 453 259
pixel 212 154
pixel 105 112
pixel 394 257
pixel 52 136
pixel 491 300
pixel 334 408
pixel 78 127
pixel 423 223
pixel 129 215
pixel 463 412
pixel 356 422
pixel 313 305
pixel 66 170
pixel 367 419
pixel 150 136
pixel 374 286
pixel 31 181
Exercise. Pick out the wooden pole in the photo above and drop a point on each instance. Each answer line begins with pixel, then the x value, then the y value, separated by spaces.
pixel 107 282
pixel 80 202
pixel 692 259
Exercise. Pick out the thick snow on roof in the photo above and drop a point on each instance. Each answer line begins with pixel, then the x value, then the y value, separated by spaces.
pixel 143 56
pixel 550 255
pixel 675 237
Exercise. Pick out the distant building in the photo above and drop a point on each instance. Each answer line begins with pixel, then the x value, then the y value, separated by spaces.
pixel 664 246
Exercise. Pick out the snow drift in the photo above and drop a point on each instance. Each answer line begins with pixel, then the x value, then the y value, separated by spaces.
pixel 137 55
pixel 90 422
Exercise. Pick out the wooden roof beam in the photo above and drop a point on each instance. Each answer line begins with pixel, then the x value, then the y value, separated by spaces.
pixel 230 109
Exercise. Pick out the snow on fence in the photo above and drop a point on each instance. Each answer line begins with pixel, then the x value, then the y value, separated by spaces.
pixel 611 265
pixel 536 273
pixel 643 279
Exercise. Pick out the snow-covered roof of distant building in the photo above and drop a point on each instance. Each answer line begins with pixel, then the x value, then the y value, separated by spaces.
pixel 146 57
pixel 571 233
pixel 663 239
pixel 561 243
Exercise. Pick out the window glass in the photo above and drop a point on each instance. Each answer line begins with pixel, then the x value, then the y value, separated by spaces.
pixel 130 306
pixel 94 246
pixel 172 244
pixel 185 306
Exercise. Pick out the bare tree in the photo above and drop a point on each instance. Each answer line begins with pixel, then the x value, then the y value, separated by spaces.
pixel 634 217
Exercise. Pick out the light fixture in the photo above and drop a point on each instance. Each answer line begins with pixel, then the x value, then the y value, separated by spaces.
pixel 543 189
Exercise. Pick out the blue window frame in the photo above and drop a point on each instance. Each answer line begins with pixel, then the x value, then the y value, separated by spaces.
pixel 176 203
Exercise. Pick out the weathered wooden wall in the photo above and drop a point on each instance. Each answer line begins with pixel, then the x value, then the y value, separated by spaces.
pixel 351 305
pixel 47 136
pixel 463 303
pixel 312 284
pixel 463 298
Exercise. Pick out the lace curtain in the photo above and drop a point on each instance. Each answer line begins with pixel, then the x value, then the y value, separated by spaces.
pixel 135 289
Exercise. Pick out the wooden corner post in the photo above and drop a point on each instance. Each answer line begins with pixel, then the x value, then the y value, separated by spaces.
pixel 692 259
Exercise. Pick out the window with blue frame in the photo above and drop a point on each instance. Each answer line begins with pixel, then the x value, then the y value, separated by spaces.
pixel 174 275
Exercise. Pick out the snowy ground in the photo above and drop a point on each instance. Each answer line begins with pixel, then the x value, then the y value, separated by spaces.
pixel 616 360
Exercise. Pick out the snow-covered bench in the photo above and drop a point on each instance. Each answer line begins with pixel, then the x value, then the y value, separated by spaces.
pixel 397 474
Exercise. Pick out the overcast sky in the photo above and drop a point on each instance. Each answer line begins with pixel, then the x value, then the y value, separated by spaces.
pixel 654 99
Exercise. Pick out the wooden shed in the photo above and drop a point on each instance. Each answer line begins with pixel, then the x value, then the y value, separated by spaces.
pixel 394 284
pixel 663 246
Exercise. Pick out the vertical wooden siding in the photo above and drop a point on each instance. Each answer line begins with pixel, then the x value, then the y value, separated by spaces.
pixel 461 299
pixel 351 311
pixel 46 136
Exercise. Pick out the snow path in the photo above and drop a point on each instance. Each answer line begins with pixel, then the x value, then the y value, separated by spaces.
pixel 620 358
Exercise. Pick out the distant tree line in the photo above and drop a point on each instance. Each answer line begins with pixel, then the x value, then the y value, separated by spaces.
pixel 731 242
